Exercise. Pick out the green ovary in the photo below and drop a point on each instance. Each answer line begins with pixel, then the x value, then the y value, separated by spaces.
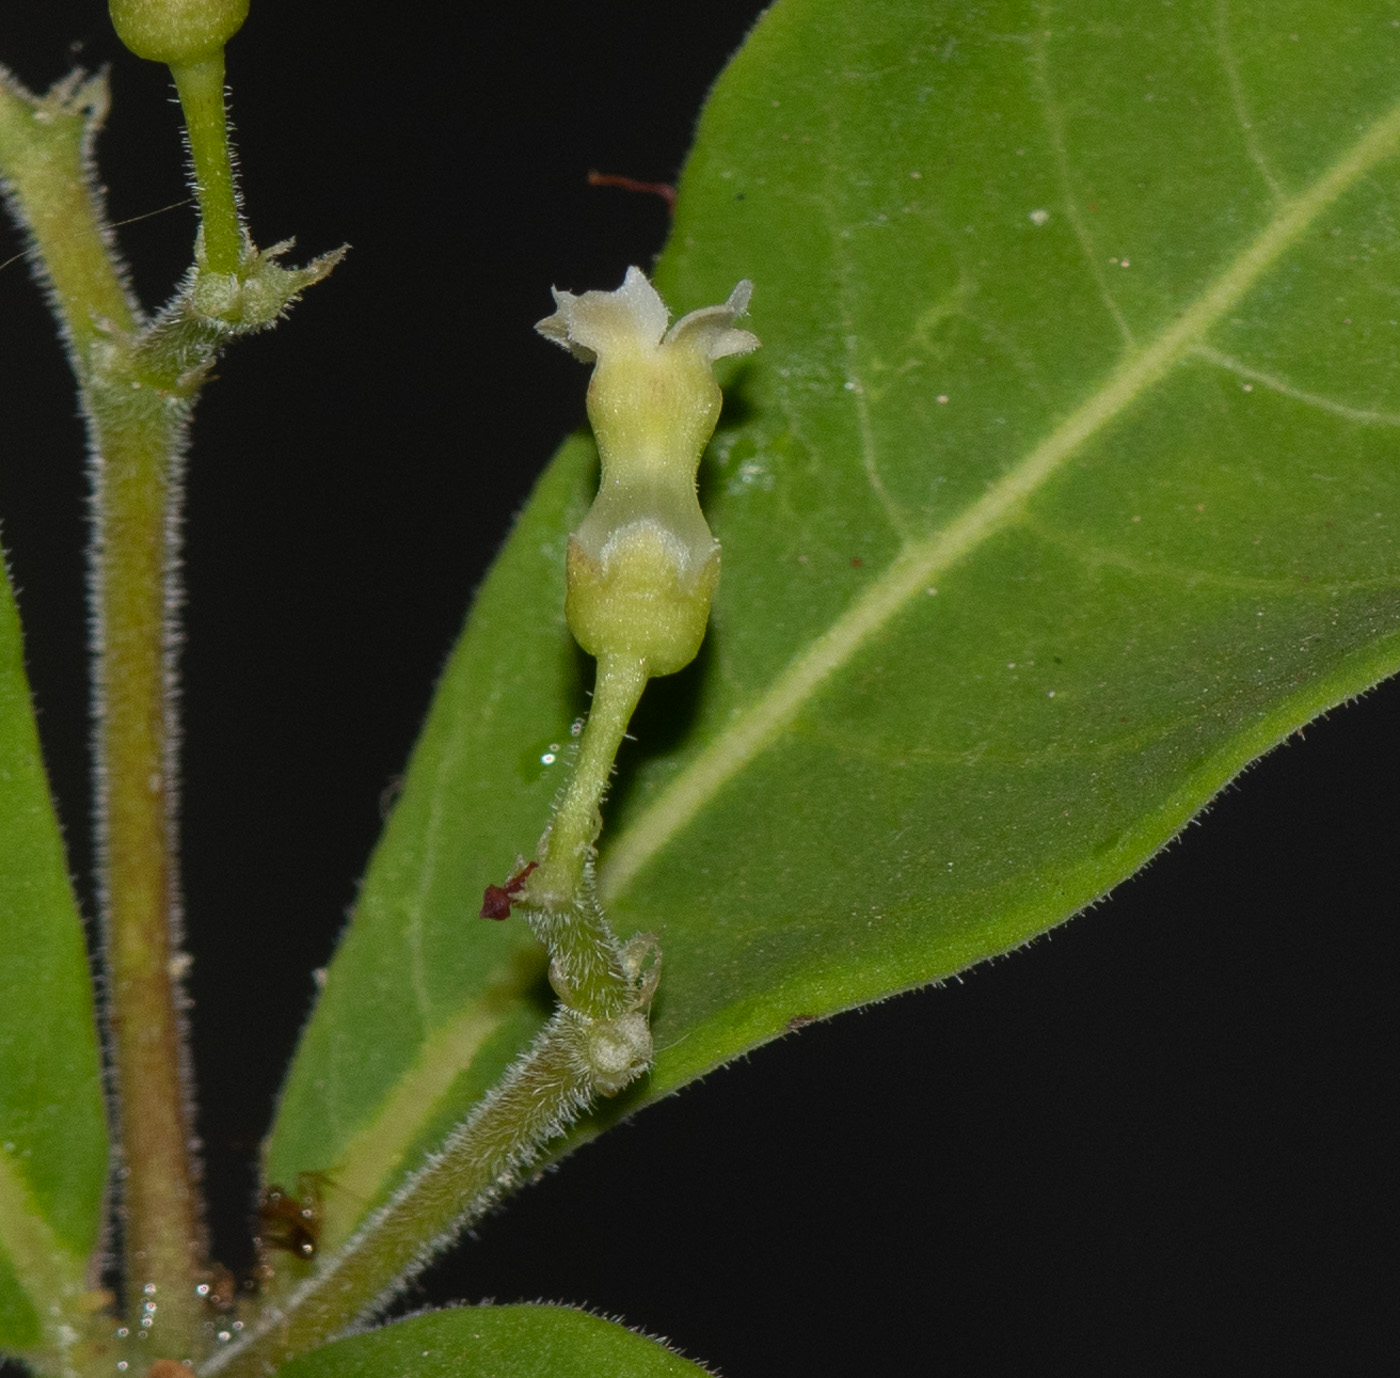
pixel 645 596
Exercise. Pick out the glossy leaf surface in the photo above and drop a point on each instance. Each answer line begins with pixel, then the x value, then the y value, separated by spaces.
pixel 53 1139
pixel 1065 484
pixel 496 1342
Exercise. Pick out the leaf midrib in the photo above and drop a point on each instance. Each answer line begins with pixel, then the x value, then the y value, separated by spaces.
pixel 908 575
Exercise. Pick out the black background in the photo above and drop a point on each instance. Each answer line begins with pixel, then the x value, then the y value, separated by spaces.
pixel 1162 1141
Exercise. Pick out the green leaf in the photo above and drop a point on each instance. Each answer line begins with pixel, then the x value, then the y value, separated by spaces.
pixel 496 1342
pixel 53 1134
pixel 1064 485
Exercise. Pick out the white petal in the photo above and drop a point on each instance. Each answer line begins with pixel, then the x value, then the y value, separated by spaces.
pixel 556 327
pixel 644 304
pixel 630 320
pixel 710 329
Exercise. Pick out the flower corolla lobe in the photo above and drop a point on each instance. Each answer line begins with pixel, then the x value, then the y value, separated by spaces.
pixel 643 565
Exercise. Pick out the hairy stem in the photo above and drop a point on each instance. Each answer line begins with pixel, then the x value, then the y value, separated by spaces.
pixel 586 961
pixel 597 1042
pixel 45 159
pixel 135 596
pixel 201 89
pixel 539 1097
pixel 136 428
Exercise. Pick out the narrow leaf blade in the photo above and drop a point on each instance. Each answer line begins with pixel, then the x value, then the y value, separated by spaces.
pixel 53 1138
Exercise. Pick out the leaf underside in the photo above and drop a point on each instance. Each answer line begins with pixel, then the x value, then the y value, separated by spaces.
pixel 1063 486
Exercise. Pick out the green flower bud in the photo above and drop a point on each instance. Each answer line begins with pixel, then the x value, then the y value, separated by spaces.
pixel 643 566
pixel 177 32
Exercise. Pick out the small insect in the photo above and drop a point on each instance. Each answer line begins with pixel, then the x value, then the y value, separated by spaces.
pixel 290 1223
pixel 496 902
pixel 218 1290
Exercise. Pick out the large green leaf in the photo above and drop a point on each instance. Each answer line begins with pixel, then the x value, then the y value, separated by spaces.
pixel 53 1134
pixel 496 1342
pixel 1064 484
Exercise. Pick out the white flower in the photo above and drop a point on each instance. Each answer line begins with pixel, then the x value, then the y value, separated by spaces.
pixel 632 320
pixel 643 564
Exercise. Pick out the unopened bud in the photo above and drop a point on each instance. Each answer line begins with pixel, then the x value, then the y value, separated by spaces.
pixel 177 32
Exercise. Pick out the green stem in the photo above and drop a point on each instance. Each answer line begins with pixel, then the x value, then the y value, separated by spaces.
pixel 201 89
pixel 136 428
pixel 586 960
pixel 539 1096
pixel 596 1043
pixel 45 154
pixel 136 445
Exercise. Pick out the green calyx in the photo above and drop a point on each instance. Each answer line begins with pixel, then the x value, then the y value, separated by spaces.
pixel 258 294
pixel 177 31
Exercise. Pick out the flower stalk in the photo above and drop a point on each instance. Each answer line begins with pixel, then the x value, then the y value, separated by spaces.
pixel 200 86
pixel 641 570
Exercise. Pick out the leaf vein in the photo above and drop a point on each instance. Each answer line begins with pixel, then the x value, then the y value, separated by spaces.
pixel 1093 557
pixel 1055 130
pixel 1243 115
pixel 1274 383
